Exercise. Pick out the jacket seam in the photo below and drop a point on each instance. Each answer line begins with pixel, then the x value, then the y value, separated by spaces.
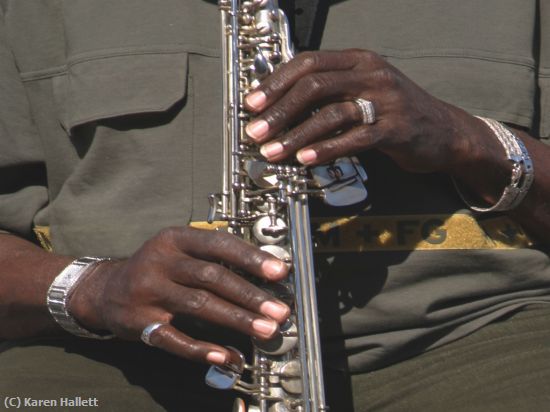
pixel 143 109
pixel 458 54
pixel 140 50
pixel 113 53
pixel 499 115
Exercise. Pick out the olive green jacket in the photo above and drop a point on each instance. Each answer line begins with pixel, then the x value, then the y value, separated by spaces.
pixel 110 120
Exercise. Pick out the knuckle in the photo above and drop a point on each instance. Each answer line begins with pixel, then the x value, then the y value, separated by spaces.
pixel 356 139
pixel 364 56
pixel 308 60
pixel 151 246
pixel 239 316
pixel 369 55
pixel 276 114
pixel 294 139
pixel 195 301
pixel 394 99
pixel 334 114
pixel 386 77
pixel 223 240
pixel 167 233
pixel 248 297
pixel 145 281
pixel 167 236
pixel 313 84
pixel 331 147
pixel 208 274
pixel 274 84
pixel 206 240
pixel 142 282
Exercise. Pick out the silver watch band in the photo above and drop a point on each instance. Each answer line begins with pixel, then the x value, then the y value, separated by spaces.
pixel 60 290
pixel 522 170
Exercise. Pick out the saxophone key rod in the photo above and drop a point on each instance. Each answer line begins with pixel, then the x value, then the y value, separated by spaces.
pixel 267 205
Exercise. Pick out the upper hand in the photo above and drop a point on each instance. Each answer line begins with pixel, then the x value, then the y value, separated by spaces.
pixel 177 273
pixel 420 132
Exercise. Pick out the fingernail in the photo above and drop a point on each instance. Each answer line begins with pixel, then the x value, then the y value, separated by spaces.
pixel 275 310
pixel 271 149
pixel 264 327
pixel 306 156
pixel 273 268
pixel 256 100
pixel 257 129
pixel 216 357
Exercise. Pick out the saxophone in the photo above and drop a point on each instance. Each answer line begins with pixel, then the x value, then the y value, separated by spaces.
pixel 267 205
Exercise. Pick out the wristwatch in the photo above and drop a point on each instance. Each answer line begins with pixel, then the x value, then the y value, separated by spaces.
pixel 60 290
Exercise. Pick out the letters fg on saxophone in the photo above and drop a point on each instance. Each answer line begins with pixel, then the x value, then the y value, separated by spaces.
pixel 267 205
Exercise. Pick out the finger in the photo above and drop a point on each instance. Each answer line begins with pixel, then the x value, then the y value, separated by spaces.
pixel 353 141
pixel 200 304
pixel 225 247
pixel 327 122
pixel 286 75
pixel 172 340
pixel 309 92
pixel 229 286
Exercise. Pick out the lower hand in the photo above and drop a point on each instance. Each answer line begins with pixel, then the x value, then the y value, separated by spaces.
pixel 177 273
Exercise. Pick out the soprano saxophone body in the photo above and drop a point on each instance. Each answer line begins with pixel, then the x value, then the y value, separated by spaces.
pixel 267 205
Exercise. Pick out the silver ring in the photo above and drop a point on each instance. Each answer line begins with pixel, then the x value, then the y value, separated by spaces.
pixel 148 331
pixel 367 110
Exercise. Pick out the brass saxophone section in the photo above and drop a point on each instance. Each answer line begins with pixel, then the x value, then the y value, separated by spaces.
pixel 267 205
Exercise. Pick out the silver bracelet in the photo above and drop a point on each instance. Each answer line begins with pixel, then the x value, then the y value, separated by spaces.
pixel 60 290
pixel 522 170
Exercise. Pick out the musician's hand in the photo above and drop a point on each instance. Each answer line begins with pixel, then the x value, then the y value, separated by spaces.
pixel 177 273
pixel 420 132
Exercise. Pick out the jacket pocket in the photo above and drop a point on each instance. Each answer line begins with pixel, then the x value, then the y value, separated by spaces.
pixel 112 85
pixel 129 119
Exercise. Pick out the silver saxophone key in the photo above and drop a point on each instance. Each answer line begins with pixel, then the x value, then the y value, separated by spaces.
pixel 267 205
